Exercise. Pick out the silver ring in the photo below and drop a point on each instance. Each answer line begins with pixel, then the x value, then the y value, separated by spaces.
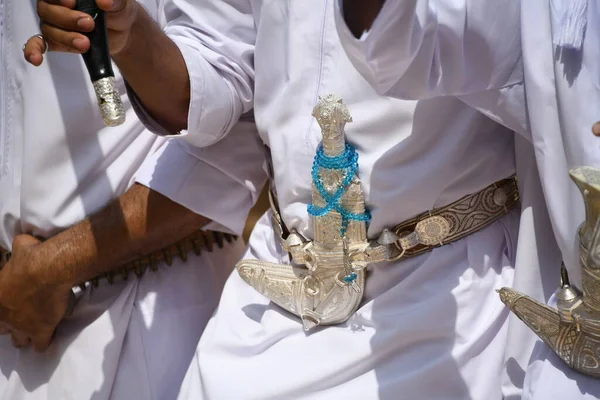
pixel 41 37
pixel 45 43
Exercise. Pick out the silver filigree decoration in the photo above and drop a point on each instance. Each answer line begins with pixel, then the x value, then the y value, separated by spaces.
pixel 573 329
pixel 109 101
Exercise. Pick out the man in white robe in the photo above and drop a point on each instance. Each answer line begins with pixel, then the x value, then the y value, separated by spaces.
pixel 560 44
pixel 429 327
pixel 133 339
pixel 406 333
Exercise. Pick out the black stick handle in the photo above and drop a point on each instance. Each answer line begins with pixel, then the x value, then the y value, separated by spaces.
pixel 97 59
pixel 99 66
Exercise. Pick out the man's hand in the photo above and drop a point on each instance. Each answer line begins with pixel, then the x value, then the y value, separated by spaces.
pixel 62 27
pixel 30 306
pixel 138 46
pixel 35 285
pixel 596 129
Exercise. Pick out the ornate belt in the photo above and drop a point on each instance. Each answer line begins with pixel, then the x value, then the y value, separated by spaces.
pixel 325 284
pixel 196 242
pixel 423 233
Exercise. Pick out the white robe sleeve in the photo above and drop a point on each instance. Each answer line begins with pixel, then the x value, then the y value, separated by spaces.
pixel 216 39
pixel 418 49
pixel 221 182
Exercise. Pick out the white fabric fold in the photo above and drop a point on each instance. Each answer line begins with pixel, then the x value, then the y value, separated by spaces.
pixel 221 182
pixel 420 49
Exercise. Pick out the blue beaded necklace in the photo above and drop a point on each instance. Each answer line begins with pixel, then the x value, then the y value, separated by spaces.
pixel 347 161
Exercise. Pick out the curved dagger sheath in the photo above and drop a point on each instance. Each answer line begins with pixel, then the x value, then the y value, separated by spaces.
pixel 573 329
pixel 318 290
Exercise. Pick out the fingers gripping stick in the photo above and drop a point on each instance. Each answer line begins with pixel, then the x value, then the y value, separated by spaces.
pixel 97 61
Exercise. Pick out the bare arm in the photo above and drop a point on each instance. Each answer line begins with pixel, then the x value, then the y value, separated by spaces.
pixel 138 223
pixel 35 285
pixel 155 69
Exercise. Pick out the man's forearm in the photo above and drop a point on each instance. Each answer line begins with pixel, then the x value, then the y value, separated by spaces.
pixel 138 223
pixel 153 66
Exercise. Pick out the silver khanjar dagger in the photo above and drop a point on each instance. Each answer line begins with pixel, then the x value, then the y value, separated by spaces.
pixel 317 287
pixel 99 66
pixel 572 330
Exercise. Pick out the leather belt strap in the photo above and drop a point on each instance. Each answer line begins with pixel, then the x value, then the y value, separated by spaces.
pixel 196 242
pixel 457 220
pixel 426 231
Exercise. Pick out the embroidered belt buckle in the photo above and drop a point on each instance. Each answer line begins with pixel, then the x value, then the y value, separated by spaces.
pixel 325 283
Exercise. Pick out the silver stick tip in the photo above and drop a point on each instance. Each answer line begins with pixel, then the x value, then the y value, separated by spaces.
pixel 109 100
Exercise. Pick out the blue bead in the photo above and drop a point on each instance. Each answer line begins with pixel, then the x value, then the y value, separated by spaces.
pixel 347 161
pixel 351 277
